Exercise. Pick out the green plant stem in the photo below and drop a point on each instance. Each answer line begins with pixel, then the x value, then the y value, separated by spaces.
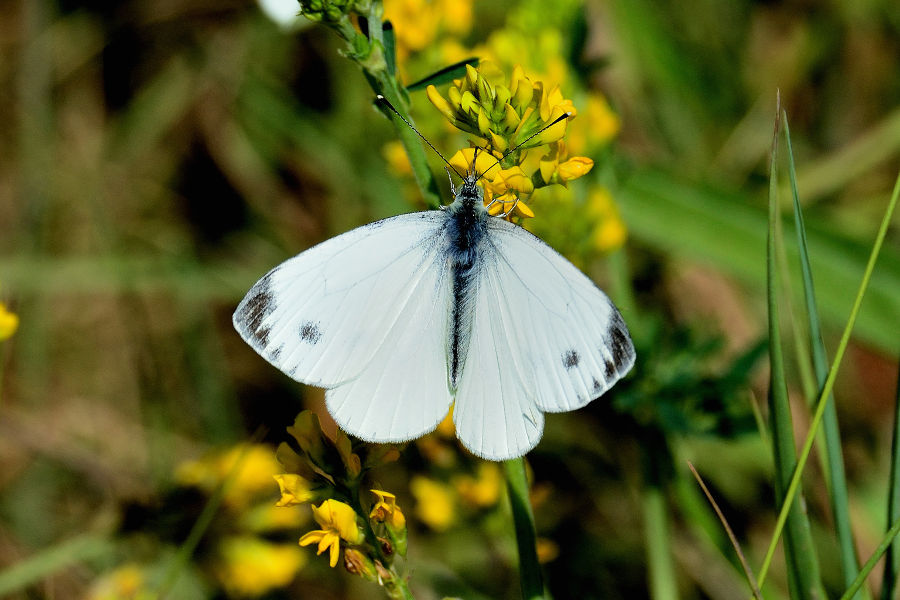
pixel 829 382
pixel 656 537
pixel 526 537
pixel 892 560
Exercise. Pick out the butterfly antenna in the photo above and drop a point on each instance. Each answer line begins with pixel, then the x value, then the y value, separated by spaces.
pixel 385 101
pixel 565 115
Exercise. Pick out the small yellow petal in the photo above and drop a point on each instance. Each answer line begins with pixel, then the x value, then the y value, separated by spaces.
pixel 313 537
pixel 440 102
pixel 510 118
pixel 484 124
pixel 469 103
pixel 574 168
pixel 294 489
pixel 472 76
pixel 333 558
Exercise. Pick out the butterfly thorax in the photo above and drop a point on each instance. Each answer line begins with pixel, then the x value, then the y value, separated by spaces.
pixel 467 221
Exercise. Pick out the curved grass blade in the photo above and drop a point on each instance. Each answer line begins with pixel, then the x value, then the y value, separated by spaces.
pixel 834 460
pixel 748 572
pixel 449 73
pixel 802 564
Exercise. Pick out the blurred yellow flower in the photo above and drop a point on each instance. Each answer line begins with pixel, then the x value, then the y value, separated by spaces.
pixel 397 159
pixel 250 566
pixel 602 123
pixel 339 522
pixel 434 502
pixel 417 23
pixel 387 511
pixel 547 550
pixel 484 489
pixel 267 517
pixel 127 582
pixel 294 489
pixel 609 232
pixel 248 471
pixel 9 322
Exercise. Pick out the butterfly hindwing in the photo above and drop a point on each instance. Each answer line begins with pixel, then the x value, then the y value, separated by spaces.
pixel 543 338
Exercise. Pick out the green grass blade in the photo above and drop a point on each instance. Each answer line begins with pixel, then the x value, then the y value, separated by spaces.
pixel 892 561
pixel 886 542
pixel 530 574
pixel 663 583
pixel 445 75
pixel 833 456
pixel 832 375
pixel 800 555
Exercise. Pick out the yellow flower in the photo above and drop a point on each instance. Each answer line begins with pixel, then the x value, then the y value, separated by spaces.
pixel 602 123
pixel 500 184
pixel 249 566
pixel 484 489
pixel 248 471
pixel 9 322
pixel 556 167
pixel 294 489
pixel 503 115
pixel 269 517
pixel 609 232
pixel 434 502
pixel 417 23
pixel 339 522
pixel 128 582
pixel 396 157
pixel 547 550
pixel 386 510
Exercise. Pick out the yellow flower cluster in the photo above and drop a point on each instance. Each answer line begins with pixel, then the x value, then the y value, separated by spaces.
pixel 512 121
pixel 504 115
pixel 331 469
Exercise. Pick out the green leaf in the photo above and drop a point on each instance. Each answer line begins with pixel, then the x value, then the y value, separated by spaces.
pixel 454 71
pixel 390 46
pixel 802 563
pixel 834 460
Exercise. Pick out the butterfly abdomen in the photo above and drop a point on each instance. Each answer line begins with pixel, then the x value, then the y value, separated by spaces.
pixel 465 232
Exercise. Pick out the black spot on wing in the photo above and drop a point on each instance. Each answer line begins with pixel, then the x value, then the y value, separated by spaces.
pixel 252 312
pixel 597 387
pixel 619 344
pixel 570 359
pixel 610 369
pixel 310 333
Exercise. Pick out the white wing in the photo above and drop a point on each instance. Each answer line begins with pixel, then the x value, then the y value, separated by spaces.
pixel 363 314
pixel 544 338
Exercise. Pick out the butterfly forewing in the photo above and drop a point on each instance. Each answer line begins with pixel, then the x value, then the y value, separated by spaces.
pixel 333 314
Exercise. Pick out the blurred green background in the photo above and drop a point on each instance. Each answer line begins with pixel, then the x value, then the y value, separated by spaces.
pixel 156 158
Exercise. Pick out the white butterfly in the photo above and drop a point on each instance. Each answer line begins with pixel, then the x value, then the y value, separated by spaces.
pixel 403 317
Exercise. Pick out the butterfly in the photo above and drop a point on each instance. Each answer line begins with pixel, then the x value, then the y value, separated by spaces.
pixel 405 317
